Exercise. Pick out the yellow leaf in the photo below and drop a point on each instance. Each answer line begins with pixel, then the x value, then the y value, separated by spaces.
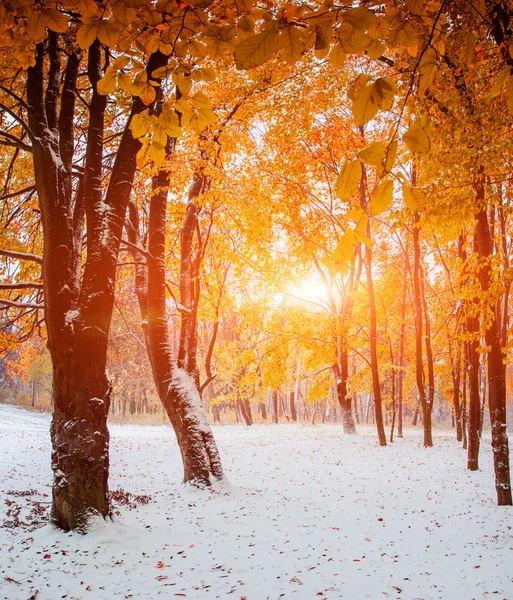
pixel 143 155
pixel 108 32
pixel 168 120
pixel 499 80
pixel 382 197
pixel 86 34
pixel 413 197
pixel 348 179
pixel 373 97
pixel 373 154
pixel 124 14
pixel 391 155
pixel 466 54
pixel 360 82
pixel 363 238
pixel 257 49
pixel 140 124
pixel 337 56
pixel 207 116
pixel 323 34
pixel 200 100
pixel 147 94
pixel 107 84
pixel 415 6
pixel 159 138
pixel 355 214
pixel 361 226
pixel 509 94
pixel 361 18
pixel 406 36
pixel 384 89
pixel 417 139
pixel 375 49
pixel 364 107
pixel 293 42
pixel 124 82
pixel 56 21
pixel 184 83
pixel 343 253
pixel 196 124
pixel 120 63
pixel 354 41
pixel 36 28
pixel 427 69
pixel 203 74
pixel 183 107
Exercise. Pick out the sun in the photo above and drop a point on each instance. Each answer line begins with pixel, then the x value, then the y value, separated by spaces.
pixel 311 289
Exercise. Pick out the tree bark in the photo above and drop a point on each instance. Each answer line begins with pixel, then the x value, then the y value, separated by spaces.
pixel 78 308
pixel 341 373
pixel 373 333
pixel 419 365
pixel 496 368
pixel 274 400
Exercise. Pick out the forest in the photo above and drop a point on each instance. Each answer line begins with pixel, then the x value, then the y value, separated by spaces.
pixel 247 212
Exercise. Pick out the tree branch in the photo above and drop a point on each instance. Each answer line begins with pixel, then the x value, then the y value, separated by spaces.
pixel 11 304
pixel 28 285
pixel 21 255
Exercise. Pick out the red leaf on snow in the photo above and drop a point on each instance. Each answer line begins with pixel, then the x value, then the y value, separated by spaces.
pixel 160 565
pixel 47 556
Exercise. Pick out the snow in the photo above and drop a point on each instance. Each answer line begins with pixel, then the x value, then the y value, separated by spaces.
pixel 186 387
pixel 309 514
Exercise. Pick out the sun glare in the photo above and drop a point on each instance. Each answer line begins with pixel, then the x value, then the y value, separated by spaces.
pixel 311 289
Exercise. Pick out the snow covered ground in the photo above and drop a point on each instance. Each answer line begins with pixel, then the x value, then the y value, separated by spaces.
pixel 310 514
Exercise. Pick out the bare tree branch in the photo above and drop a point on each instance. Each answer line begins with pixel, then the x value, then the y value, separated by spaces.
pixel 11 304
pixel 23 285
pixel 21 255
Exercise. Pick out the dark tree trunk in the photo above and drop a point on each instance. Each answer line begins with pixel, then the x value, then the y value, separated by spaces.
pixel 263 411
pixel 78 308
pixel 496 369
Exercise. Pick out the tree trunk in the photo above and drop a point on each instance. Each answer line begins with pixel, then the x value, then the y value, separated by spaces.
pixel 376 386
pixel 177 381
pixel 341 373
pixel 245 410
pixel 78 307
pixel 496 369
pixel 401 356
pixel 292 402
pixel 419 364
pixel 274 400
pixel 456 382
